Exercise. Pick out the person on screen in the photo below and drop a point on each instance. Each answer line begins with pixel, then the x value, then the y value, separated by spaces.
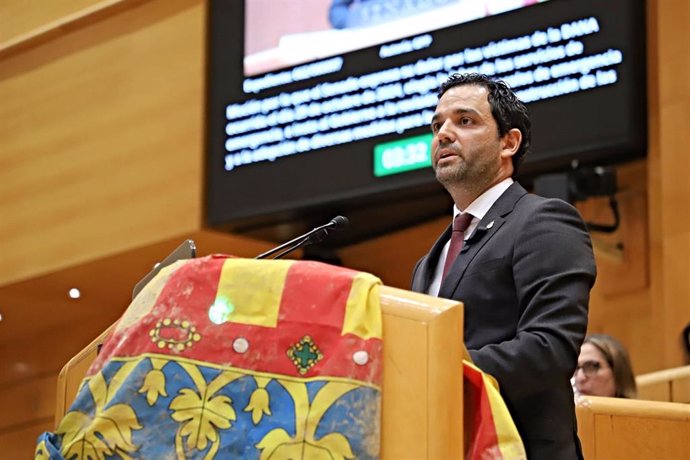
pixel 604 369
pixel 356 13
pixel 522 265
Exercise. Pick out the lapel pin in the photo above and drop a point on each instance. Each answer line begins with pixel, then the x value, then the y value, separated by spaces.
pixel 491 224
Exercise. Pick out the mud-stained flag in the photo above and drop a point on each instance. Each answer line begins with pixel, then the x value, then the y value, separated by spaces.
pixel 222 357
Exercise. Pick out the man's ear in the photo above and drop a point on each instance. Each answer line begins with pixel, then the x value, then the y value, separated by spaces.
pixel 510 143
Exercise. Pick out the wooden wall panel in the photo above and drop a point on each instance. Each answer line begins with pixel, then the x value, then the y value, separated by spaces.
pixel 28 383
pixel 19 17
pixel 622 262
pixel 101 139
pixel 629 319
pixel 39 355
pixel 28 401
pixel 669 186
pixel 20 443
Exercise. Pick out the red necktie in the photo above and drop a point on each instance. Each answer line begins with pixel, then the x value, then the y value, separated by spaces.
pixel 460 224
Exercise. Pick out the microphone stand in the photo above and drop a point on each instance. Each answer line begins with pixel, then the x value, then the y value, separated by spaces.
pixel 315 235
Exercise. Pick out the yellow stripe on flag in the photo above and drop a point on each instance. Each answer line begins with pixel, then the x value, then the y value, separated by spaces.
pixel 250 290
pixel 363 308
pixel 509 441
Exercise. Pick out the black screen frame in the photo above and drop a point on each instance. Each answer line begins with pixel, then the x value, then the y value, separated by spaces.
pixel 391 195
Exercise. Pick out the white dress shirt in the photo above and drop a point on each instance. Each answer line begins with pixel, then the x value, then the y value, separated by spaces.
pixel 478 208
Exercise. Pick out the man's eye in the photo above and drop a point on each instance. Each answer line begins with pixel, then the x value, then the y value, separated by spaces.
pixel 435 127
pixel 465 121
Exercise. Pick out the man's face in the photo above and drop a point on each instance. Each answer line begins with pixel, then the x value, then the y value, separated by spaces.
pixel 466 147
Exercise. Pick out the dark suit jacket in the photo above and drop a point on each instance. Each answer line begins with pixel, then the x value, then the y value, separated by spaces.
pixel 524 277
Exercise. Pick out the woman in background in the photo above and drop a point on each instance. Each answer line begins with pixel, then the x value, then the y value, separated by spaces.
pixel 604 369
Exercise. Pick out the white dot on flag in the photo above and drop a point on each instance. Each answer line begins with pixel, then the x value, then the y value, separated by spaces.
pixel 240 345
pixel 360 357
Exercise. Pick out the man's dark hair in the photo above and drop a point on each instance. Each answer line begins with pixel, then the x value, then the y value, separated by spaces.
pixel 508 111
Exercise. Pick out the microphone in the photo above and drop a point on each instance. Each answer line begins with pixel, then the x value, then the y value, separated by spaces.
pixel 315 235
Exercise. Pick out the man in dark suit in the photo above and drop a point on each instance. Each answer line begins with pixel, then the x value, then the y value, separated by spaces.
pixel 525 267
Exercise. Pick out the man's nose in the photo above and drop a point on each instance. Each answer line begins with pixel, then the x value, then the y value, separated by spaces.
pixel 445 133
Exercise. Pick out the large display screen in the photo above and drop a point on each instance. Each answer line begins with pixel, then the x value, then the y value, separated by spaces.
pixel 314 105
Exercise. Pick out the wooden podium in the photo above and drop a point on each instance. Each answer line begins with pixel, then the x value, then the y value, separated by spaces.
pixel 422 395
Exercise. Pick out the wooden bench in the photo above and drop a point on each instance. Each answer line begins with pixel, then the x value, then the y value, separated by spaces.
pixel 671 385
pixel 617 428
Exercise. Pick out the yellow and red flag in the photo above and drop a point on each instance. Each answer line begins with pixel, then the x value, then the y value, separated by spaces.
pixel 223 357
pixel 490 432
